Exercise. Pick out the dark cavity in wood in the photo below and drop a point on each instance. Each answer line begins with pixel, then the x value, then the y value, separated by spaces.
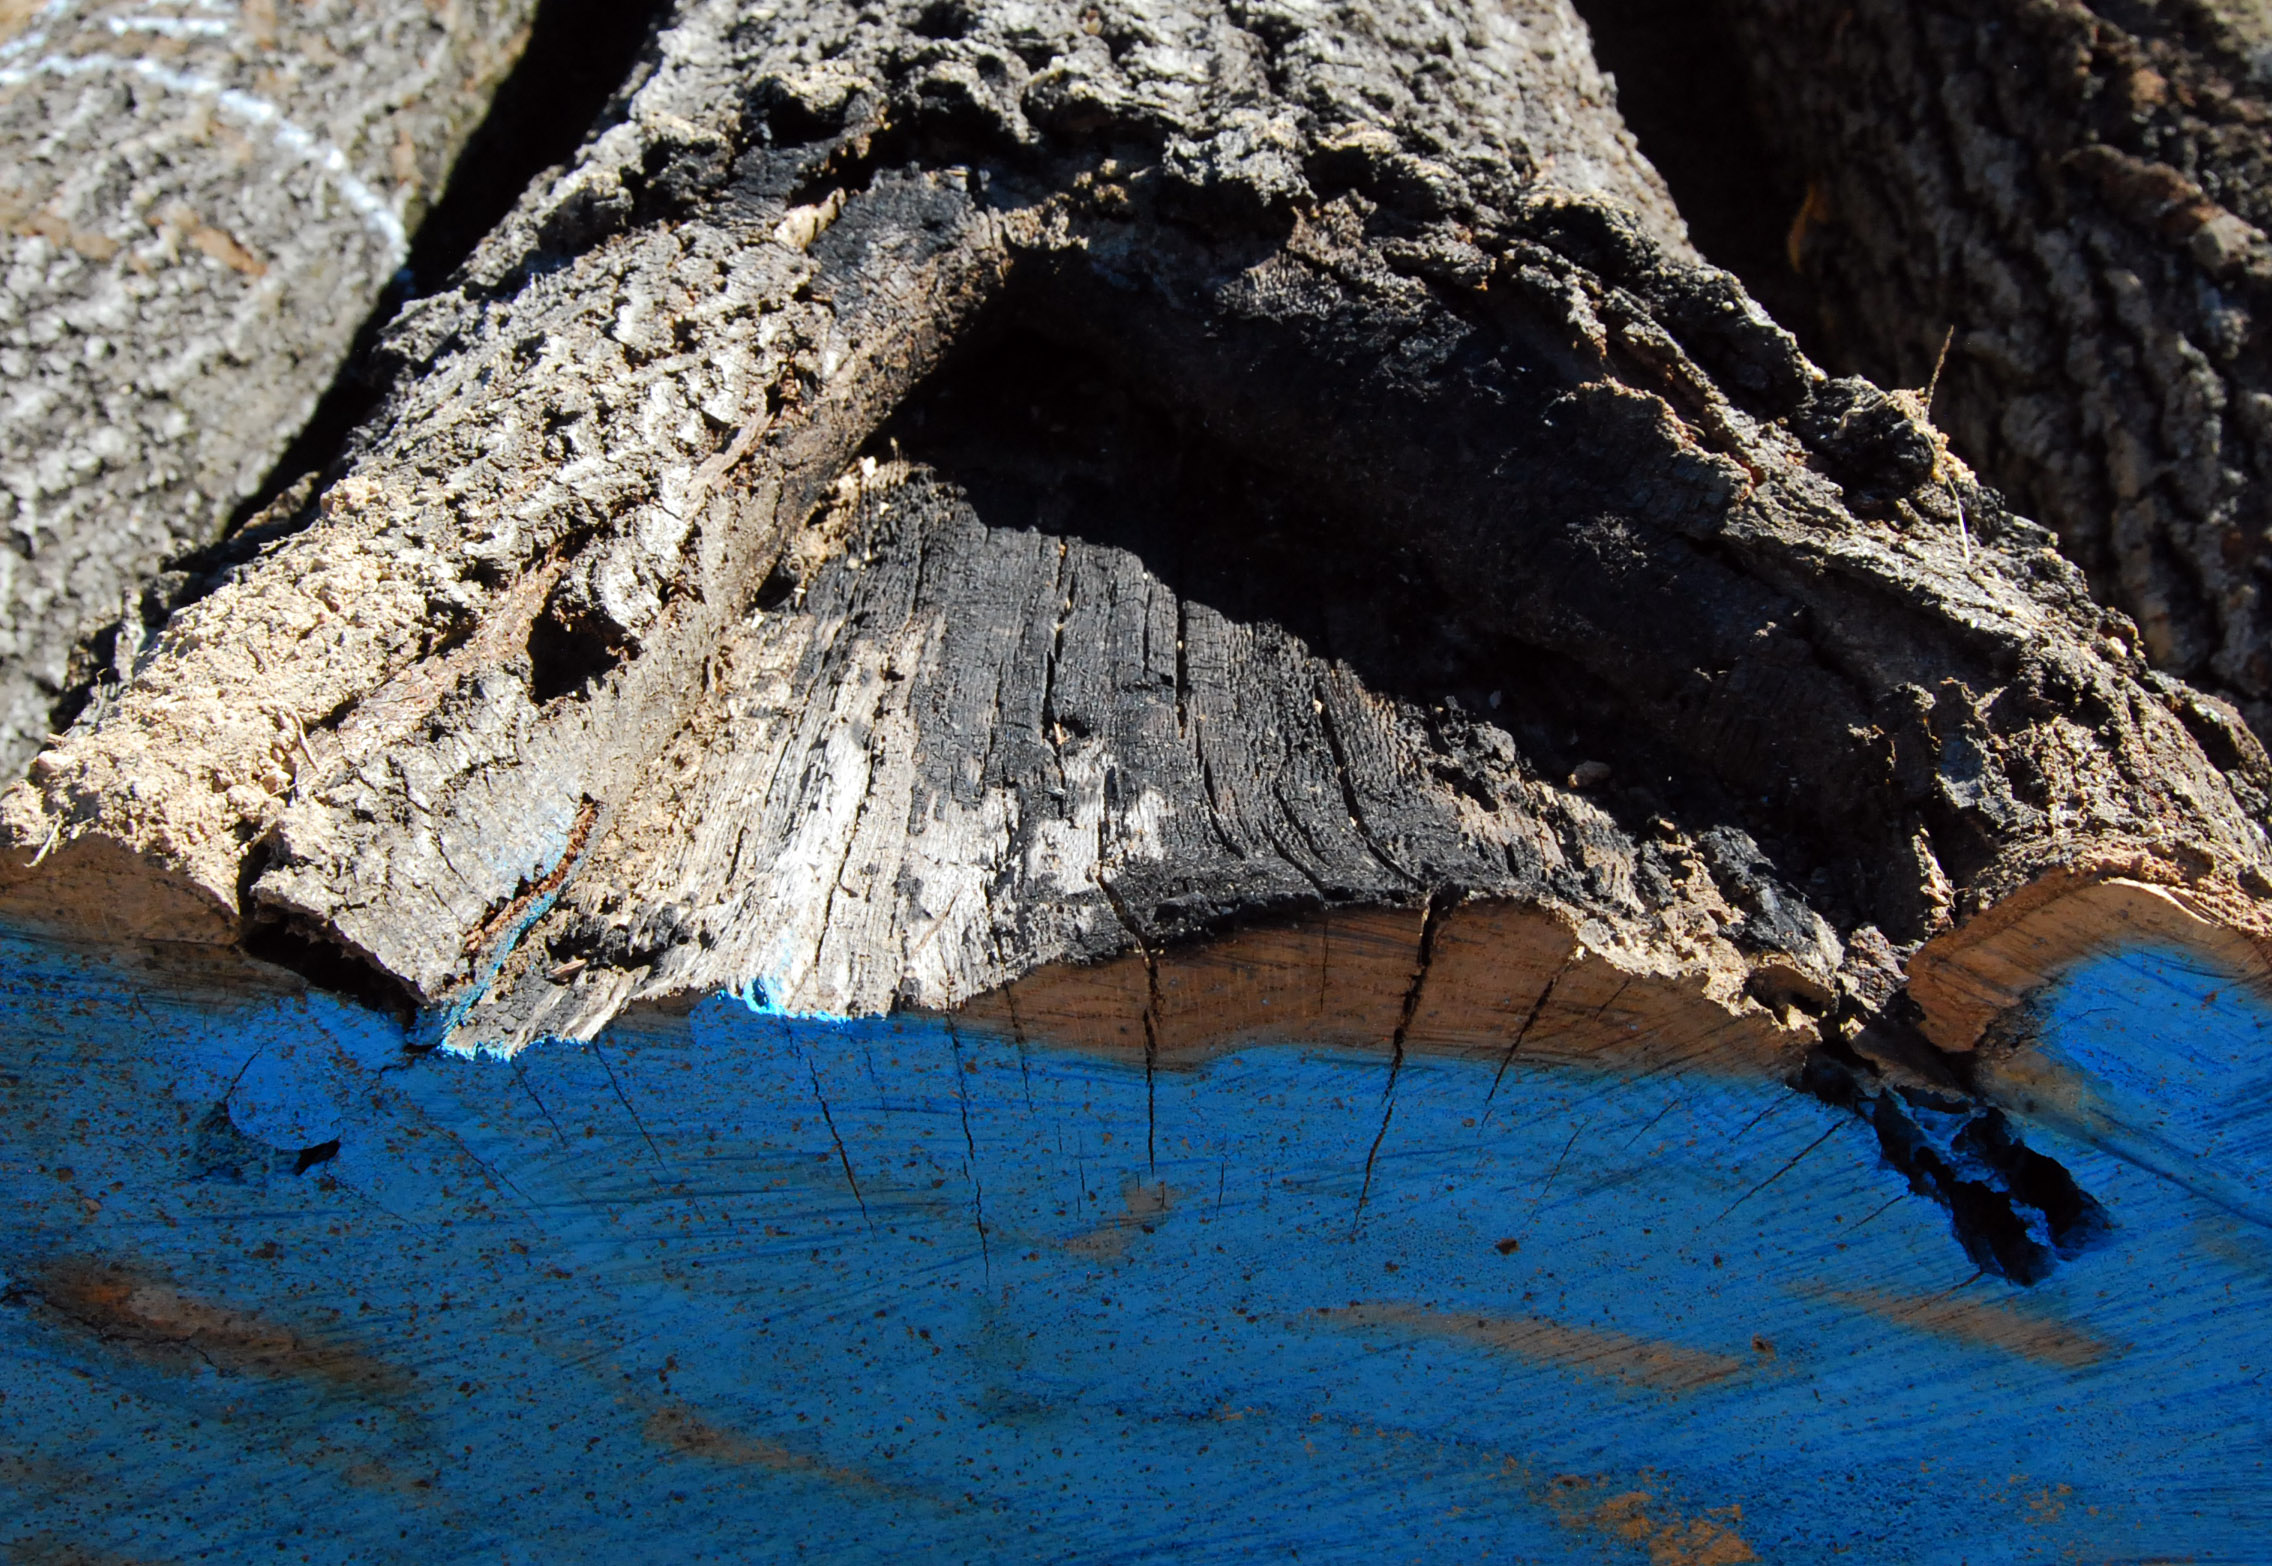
pixel 1686 91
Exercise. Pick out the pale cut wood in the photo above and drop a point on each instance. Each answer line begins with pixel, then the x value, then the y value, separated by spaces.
pixel 1967 979
pixel 1495 981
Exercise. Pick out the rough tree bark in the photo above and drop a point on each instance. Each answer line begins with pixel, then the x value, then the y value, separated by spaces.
pixel 201 205
pixel 2080 193
pixel 1156 521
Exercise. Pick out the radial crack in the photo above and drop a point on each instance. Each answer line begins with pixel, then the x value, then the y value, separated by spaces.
pixel 1536 1007
pixel 1151 1014
pixel 836 1137
pixel 1426 955
pixel 970 1149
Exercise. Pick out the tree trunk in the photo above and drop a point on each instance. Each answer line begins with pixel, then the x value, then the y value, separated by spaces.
pixel 918 510
pixel 200 211
pixel 2074 198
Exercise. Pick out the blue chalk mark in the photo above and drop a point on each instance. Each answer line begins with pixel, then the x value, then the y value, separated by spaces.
pixel 622 1303
pixel 437 1027
pixel 755 995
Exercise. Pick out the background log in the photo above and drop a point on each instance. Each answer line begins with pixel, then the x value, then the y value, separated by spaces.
pixel 201 203
pixel 2079 193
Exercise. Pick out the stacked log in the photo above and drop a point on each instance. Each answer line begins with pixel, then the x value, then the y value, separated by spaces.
pixel 201 203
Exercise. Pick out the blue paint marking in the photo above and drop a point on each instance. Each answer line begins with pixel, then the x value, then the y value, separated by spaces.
pixel 2167 1063
pixel 438 1028
pixel 741 1287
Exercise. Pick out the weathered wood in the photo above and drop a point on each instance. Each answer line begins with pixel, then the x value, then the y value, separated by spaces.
pixel 201 203
pixel 1412 522
pixel 2079 192
pixel 1289 727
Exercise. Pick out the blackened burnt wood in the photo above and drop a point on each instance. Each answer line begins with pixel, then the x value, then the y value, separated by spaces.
pixel 1146 521
pixel 198 207
pixel 2073 197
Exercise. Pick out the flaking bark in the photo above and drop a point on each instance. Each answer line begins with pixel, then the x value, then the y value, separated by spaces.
pixel 935 501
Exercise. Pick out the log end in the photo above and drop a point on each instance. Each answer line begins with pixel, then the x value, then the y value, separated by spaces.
pixel 1490 979
pixel 1965 978
pixel 96 886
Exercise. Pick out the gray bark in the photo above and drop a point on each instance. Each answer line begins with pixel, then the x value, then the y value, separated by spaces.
pixel 932 501
pixel 200 206
pixel 2080 192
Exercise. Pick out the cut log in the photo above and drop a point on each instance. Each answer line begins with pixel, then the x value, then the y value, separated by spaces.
pixel 918 507
pixel 2073 197
pixel 718 1285
pixel 1963 986
pixel 200 205
pixel 1057 552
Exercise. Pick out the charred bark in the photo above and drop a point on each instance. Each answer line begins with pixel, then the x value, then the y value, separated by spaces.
pixel 1161 523
pixel 2074 197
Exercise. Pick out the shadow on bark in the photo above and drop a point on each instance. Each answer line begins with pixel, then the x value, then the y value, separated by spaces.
pixel 1039 435
pixel 1687 96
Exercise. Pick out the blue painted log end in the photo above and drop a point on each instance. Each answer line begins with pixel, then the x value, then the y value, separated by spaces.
pixel 724 1285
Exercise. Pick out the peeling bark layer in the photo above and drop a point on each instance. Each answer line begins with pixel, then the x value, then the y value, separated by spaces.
pixel 2079 193
pixel 200 206
pixel 1029 491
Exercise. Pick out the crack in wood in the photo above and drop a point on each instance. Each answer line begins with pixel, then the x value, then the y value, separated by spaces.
pixel 1530 1020
pixel 842 1157
pixel 1426 955
pixel 970 1152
